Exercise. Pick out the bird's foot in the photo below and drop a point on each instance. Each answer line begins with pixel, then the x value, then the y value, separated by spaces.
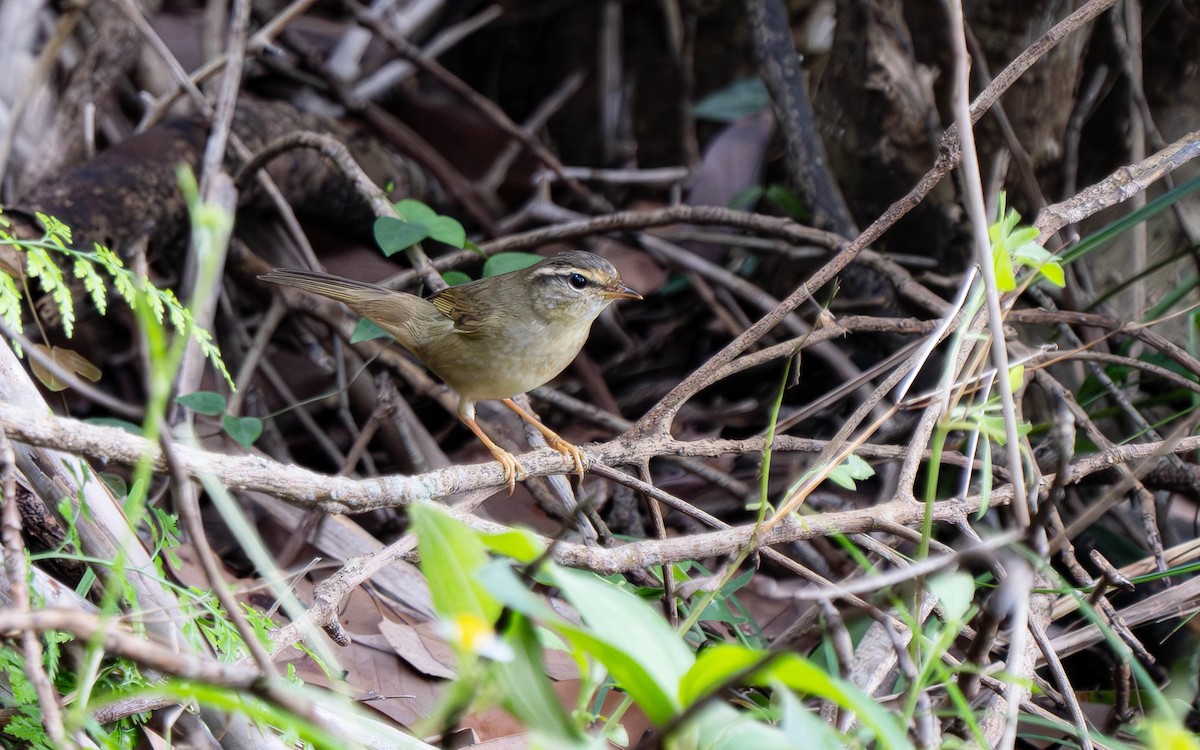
pixel 510 467
pixel 553 439
pixel 571 451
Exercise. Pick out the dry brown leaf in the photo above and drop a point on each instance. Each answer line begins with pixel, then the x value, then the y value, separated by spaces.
pixel 420 647
pixel 156 740
pixel 69 360
pixel 377 679
pixel 12 262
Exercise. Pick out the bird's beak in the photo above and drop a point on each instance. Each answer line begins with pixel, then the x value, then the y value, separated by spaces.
pixel 620 291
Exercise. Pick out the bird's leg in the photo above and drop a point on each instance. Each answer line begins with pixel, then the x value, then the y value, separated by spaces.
pixel 508 462
pixel 552 438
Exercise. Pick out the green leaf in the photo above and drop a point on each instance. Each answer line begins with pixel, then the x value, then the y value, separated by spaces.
pixel 747 199
pixel 454 278
pixel 115 482
pixel 714 666
pixel 738 582
pixel 1013 244
pixel 367 330
pixel 1016 378
pixel 801 675
pixel 718 611
pixel 954 591
pixel 1019 237
pixel 506 262
pixel 245 430
pixel 735 101
pixel 55 229
pixel 415 211
pixel 447 230
pixel 208 403
pixel 648 666
pixel 1166 732
pixel 451 559
pixel 1006 280
pixel 1041 260
pixel 787 201
pixel 519 544
pixel 10 302
pixel 393 235
pixel 652 690
pixel 853 469
pixel 1032 256
pixel 501 581
pixel 527 693
pixel 85 271
pixel 801 726
pixel 417 222
pixel 845 474
pixel 719 726
pixel 1054 274
pixel 39 265
pixel 717 664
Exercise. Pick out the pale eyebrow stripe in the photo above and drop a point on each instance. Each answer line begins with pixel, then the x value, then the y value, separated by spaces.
pixel 550 271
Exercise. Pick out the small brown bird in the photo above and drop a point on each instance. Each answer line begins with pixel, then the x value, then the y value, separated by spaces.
pixel 492 338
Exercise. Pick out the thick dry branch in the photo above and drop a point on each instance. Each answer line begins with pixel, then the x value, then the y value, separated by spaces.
pixel 343 495
pixel 117 640
pixel 1118 187
pixel 336 494
pixel 718 544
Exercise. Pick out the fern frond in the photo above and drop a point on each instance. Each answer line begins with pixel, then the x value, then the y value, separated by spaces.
pixel 91 268
pixel 85 271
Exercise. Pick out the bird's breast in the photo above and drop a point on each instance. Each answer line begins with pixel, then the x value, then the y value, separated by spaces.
pixel 499 364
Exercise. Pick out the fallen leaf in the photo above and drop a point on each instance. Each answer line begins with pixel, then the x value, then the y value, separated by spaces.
pixel 67 359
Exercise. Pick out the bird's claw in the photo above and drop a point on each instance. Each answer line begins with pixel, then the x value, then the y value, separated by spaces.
pixel 511 470
pixel 574 452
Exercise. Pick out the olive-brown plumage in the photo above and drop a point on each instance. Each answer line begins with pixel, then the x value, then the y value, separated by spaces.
pixel 492 338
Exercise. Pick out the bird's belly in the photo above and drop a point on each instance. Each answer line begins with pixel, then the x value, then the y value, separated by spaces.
pixel 522 364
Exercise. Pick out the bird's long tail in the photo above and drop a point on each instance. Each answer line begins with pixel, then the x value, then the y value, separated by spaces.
pixel 406 317
pixel 335 287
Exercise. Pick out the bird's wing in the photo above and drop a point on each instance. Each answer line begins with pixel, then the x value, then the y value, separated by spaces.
pixel 463 310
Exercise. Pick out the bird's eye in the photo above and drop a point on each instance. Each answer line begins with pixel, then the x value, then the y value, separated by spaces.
pixel 577 281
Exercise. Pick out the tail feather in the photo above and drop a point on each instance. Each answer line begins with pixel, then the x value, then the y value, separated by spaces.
pixel 406 317
pixel 334 287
